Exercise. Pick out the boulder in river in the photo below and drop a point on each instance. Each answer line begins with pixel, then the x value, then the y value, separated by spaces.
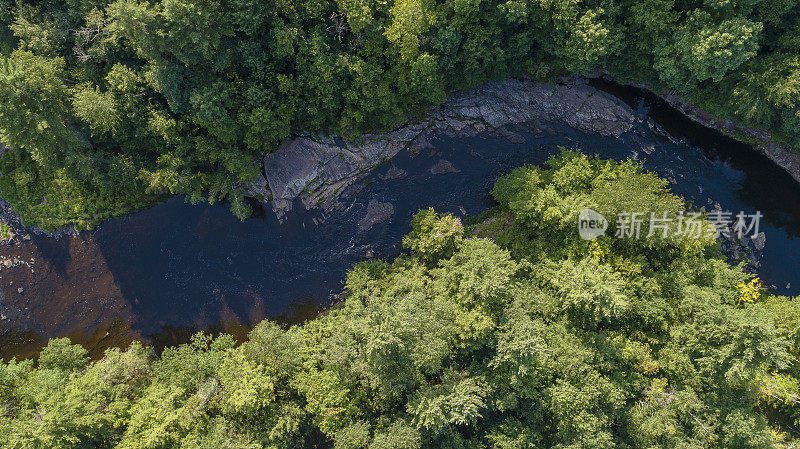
pixel 377 212
pixel 442 167
pixel 759 240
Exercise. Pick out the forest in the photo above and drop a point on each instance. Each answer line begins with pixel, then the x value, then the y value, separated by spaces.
pixel 504 331
pixel 110 106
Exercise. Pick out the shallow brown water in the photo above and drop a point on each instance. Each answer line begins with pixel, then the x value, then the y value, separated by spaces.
pixel 162 274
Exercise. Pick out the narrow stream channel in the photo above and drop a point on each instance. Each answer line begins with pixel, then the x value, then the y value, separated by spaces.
pixel 176 268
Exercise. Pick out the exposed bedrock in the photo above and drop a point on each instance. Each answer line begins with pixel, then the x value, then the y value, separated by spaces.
pixel 317 169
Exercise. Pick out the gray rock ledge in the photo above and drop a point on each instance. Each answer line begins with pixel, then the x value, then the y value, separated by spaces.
pixel 317 169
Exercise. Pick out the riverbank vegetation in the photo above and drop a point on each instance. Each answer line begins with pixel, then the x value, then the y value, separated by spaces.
pixel 109 105
pixel 510 333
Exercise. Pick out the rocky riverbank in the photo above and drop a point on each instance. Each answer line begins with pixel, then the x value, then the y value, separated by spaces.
pixel 782 155
pixel 12 219
pixel 174 269
pixel 317 170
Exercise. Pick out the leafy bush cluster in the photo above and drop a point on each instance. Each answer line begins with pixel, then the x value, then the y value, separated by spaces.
pixel 109 105
pixel 531 339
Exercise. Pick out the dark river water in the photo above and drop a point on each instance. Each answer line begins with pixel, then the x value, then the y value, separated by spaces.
pixel 176 268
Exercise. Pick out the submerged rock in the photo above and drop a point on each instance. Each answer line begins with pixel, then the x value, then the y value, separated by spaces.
pixel 394 173
pixel 442 167
pixel 377 212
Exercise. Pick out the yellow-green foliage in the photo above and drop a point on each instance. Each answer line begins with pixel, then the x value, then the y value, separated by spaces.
pixel 750 291
pixel 463 343
pixel 6 233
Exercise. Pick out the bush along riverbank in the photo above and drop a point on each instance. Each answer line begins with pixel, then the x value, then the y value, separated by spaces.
pixel 513 332
pixel 109 105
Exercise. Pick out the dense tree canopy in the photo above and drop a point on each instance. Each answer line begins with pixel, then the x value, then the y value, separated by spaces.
pixel 109 105
pixel 509 333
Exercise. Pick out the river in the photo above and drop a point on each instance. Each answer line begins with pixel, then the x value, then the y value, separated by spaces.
pixel 164 273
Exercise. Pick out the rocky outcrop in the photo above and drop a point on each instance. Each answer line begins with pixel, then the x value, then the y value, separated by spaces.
pixel 317 169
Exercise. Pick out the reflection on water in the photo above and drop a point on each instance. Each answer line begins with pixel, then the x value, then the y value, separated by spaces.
pixel 167 272
pixel 763 184
pixel 740 178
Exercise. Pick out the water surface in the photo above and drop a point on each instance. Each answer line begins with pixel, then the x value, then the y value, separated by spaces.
pixel 176 268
